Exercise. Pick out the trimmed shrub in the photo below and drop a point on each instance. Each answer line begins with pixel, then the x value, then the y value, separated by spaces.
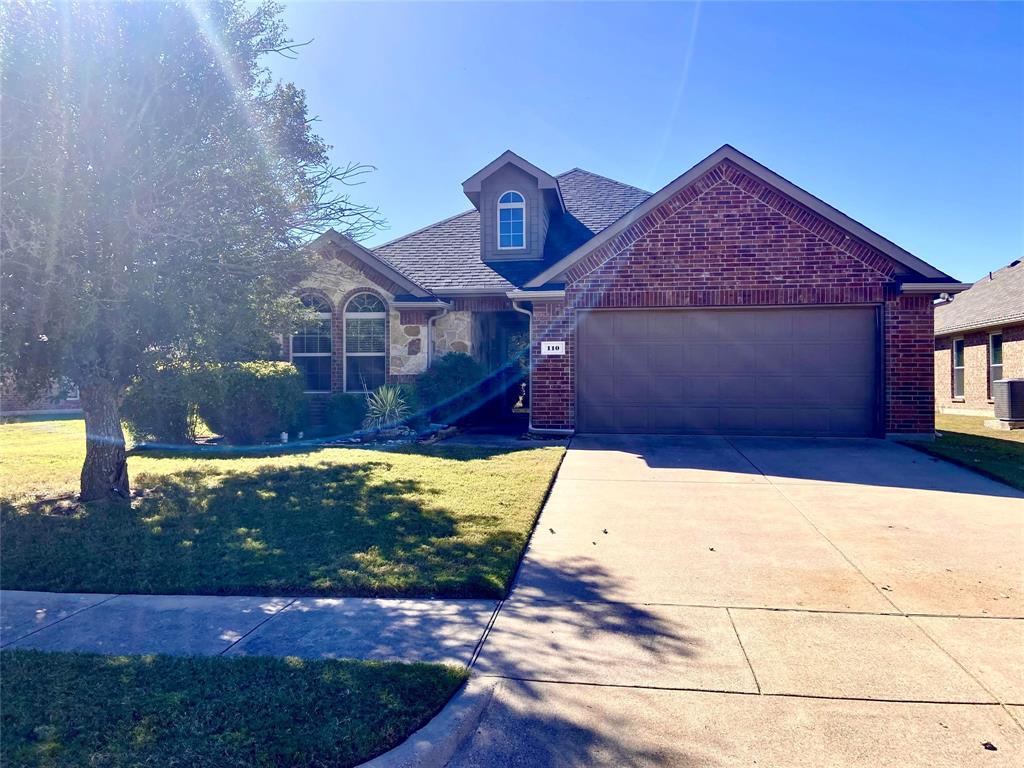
pixel 247 402
pixel 160 405
pixel 386 407
pixel 344 413
pixel 450 389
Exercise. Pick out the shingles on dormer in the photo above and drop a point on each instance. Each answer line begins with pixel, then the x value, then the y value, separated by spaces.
pixel 446 255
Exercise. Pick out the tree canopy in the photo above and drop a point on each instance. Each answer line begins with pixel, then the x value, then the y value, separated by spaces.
pixel 157 185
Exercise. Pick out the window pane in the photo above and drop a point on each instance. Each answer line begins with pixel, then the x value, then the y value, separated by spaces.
pixel 517 240
pixel 996 348
pixel 958 382
pixel 316 371
pixel 505 215
pixel 958 353
pixel 312 337
pixel 364 335
pixel 505 241
pixel 365 302
pixel 515 214
pixel 315 303
pixel 363 374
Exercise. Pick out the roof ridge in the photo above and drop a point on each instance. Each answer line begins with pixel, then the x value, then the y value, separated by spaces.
pixel 606 178
pixel 423 229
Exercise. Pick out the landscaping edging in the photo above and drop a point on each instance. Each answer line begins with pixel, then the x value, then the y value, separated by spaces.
pixel 433 745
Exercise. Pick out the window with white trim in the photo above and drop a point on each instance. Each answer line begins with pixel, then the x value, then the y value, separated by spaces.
pixel 365 342
pixel 995 360
pixel 511 221
pixel 958 367
pixel 311 344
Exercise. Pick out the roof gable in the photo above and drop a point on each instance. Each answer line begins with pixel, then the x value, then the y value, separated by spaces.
pixel 545 181
pixel 369 260
pixel 796 203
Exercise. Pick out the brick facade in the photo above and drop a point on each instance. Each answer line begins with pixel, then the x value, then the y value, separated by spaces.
pixel 729 240
pixel 976 367
pixel 13 402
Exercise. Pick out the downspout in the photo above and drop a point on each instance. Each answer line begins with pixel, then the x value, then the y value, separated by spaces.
pixel 538 430
pixel 430 333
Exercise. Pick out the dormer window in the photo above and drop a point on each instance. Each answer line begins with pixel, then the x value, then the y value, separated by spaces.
pixel 511 221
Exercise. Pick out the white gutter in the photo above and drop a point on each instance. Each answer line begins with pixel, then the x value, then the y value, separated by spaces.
pixel 529 315
pixel 436 304
pixel 934 287
pixel 535 295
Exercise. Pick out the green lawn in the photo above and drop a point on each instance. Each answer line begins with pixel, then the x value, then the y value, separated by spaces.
pixel 440 521
pixel 965 440
pixel 66 710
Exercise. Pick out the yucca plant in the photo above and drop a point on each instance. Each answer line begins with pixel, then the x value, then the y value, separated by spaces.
pixel 386 407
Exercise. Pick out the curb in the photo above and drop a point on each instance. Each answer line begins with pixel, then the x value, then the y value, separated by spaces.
pixel 433 745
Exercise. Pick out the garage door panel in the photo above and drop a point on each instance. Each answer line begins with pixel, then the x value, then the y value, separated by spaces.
pixel 849 326
pixel 700 357
pixel 632 389
pixel 632 326
pixel 701 390
pixel 775 421
pixel 814 390
pixel 666 358
pixel 741 371
pixel 773 326
pixel 666 390
pixel 687 419
pixel 736 388
pixel 667 326
pixel 774 389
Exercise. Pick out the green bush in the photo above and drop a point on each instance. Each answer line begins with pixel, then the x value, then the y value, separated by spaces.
pixel 450 388
pixel 247 402
pixel 344 413
pixel 160 405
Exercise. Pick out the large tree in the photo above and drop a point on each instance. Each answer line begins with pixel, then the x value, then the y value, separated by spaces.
pixel 156 182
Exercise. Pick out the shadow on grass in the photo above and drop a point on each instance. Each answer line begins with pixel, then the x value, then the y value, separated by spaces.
pixel 995 457
pixel 66 710
pixel 358 528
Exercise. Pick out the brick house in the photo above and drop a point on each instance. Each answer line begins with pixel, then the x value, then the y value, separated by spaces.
pixel 59 400
pixel 979 338
pixel 730 301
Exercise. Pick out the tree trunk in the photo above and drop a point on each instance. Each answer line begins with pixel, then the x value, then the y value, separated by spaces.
pixel 105 472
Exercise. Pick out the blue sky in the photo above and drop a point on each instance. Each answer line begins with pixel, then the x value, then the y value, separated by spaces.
pixel 907 117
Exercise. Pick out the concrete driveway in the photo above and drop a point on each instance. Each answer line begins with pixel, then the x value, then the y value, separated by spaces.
pixel 761 601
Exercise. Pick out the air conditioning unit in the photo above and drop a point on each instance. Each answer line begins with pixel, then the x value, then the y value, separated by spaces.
pixel 1009 399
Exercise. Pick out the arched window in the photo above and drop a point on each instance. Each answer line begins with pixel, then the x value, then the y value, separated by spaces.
pixel 311 344
pixel 365 344
pixel 511 221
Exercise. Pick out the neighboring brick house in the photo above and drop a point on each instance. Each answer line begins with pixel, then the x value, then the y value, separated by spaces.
pixel 730 301
pixel 59 400
pixel 979 338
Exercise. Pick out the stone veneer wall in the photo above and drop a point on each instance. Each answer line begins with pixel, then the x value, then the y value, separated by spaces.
pixel 338 278
pixel 454 333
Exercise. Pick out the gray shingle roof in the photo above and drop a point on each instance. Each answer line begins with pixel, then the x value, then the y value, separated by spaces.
pixel 446 255
pixel 994 300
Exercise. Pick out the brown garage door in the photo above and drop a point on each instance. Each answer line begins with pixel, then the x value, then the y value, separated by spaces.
pixel 748 371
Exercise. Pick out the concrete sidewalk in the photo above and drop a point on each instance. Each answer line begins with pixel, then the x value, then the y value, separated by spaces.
pixel 446 631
